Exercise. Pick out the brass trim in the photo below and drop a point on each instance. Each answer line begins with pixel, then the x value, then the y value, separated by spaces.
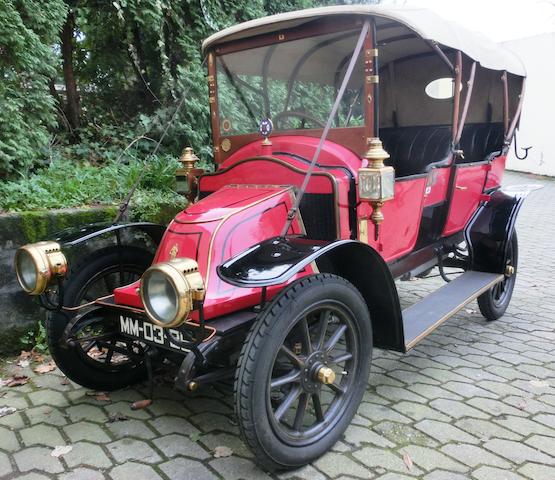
pixel 297 170
pixel 49 262
pixel 363 230
pixel 453 311
pixel 372 52
pixel 372 79
pixel 326 375
pixel 186 280
pixel 225 145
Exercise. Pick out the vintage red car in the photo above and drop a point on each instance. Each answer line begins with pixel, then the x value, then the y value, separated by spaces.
pixel 355 145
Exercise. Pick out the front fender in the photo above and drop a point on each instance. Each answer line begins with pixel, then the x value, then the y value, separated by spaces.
pixel 490 230
pixel 77 235
pixel 277 260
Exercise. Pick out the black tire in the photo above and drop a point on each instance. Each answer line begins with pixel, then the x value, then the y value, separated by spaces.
pixel 74 362
pixel 311 305
pixel 495 301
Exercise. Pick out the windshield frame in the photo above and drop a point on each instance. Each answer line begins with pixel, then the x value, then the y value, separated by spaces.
pixel 225 145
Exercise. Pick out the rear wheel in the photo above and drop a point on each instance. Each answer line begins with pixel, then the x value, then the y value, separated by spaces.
pixel 495 301
pixel 98 358
pixel 303 370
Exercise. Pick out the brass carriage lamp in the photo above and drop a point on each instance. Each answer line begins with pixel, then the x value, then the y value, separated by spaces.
pixel 186 176
pixel 376 182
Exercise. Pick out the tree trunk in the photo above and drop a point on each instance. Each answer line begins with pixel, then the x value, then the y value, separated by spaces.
pixel 73 104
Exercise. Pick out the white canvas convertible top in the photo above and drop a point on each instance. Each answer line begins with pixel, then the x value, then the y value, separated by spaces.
pixel 425 23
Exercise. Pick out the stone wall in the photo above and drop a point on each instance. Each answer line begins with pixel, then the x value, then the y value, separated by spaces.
pixel 20 312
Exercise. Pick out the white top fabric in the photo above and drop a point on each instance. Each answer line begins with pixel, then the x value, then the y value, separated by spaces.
pixel 425 23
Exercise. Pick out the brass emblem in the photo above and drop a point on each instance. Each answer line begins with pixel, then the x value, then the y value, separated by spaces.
pixel 173 252
pixel 226 145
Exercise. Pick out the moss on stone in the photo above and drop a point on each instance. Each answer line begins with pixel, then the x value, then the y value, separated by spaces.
pixel 10 339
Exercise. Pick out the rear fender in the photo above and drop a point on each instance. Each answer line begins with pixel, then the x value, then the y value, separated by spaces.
pixel 488 233
pixel 277 260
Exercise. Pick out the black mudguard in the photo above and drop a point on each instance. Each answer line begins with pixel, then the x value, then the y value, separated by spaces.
pixel 490 230
pixel 75 236
pixel 277 260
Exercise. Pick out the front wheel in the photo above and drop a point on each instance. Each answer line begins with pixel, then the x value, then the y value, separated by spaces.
pixel 99 358
pixel 495 301
pixel 303 370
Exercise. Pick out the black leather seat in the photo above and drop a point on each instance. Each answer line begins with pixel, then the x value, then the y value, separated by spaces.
pixel 413 149
pixel 480 140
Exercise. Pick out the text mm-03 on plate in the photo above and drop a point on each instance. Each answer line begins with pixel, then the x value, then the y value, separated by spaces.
pixel 148 332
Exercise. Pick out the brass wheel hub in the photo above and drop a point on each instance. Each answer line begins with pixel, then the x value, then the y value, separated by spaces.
pixel 326 375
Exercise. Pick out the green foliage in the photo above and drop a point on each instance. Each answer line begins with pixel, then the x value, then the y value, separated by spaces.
pixel 27 62
pixel 66 184
pixel 35 339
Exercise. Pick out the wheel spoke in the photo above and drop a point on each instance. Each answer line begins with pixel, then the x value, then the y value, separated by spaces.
pixel 317 407
pixel 287 402
pixel 110 353
pixel 109 284
pixel 301 410
pixel 291 356
pixel 336 388
pixel 293 376
pixel 303 324
pixel 344 357
pixel 332 341
pixel 324 320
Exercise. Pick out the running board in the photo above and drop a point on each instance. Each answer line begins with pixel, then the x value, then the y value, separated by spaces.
pixel 423 317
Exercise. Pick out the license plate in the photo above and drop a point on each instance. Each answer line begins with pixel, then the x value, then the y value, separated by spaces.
pixel 150 333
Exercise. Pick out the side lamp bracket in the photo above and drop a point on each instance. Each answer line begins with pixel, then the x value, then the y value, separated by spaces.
pixel 186 177
pixel 376 182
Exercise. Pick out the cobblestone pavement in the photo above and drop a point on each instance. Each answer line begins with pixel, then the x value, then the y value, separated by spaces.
pixel 474 400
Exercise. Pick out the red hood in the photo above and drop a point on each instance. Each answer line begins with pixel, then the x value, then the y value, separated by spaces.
pixel 216 228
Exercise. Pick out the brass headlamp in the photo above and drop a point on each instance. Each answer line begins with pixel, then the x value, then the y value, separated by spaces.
pixel 169 290
pixel 38 264
pixel 186 176
pixel 376 183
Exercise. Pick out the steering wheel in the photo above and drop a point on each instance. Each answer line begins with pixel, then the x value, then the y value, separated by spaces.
pixel 297 114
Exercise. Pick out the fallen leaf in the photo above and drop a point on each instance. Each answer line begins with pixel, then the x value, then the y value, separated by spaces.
pixel 140 404
pixel 407 460
pixel 16 380
pixel 117 417
pixel 221 452
pixel 24 355
pixel 522 404
pixel 46 367
pixel 469 311
pixel 6 411
pixel 194 437
pixel 539 383
pixel 65 381
pixel 61 450
pixel 23 363
pixel 100 396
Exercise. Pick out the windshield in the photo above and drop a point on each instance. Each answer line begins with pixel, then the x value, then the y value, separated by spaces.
pixel 294 83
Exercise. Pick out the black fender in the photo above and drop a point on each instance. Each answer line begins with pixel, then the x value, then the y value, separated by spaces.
pixel 489 231
pixel 277 260
pixel 77 235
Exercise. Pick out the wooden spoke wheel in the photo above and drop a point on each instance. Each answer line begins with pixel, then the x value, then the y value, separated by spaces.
pixel 97 356
pixel 303 371
pixel 495 301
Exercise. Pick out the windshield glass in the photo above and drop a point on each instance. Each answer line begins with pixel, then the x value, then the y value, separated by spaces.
pixel 294 83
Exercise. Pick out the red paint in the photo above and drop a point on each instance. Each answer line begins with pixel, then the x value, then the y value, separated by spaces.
pixel 495 175
pixel 469 185
pixel 214 230
pixel 248 198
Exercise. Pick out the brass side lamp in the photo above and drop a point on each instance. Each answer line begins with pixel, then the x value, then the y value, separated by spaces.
pixel 186 177
pixel 376 182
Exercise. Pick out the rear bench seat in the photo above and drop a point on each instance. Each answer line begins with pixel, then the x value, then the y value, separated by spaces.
pixel 413 149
